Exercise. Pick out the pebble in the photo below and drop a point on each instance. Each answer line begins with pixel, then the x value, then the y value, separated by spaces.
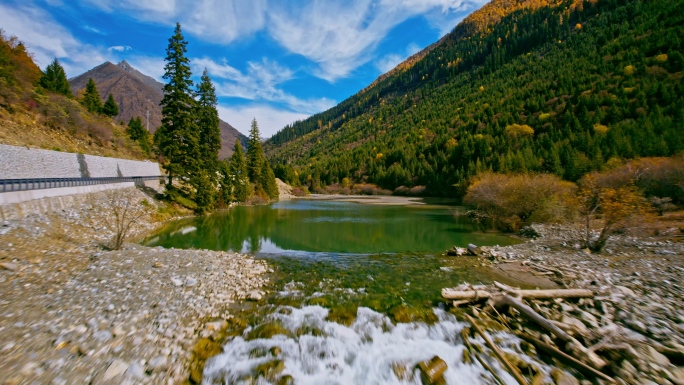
pixel 108 311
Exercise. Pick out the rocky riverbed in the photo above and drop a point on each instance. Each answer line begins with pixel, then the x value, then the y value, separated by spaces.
pixel 634 322
pixel 72 312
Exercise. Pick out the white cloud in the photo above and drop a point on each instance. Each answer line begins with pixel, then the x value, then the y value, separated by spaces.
pixel 259 83
pixel 47 39
pixel 93 30
pixel 388 62
pixel 269 119
pixel 120 48
pixel 337 36
pixel 148 65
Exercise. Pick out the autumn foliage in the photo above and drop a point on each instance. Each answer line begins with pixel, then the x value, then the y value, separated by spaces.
pixel 510 201
pixel 613 207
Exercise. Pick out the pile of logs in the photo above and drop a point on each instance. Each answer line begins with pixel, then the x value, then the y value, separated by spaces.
pixel 559 344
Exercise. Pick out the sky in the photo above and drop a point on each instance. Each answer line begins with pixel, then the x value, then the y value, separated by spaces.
pixel 274 60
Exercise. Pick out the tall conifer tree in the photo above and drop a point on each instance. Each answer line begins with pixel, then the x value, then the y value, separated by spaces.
pixel 255 154
pixel 54 79
pixel 208 124
pixel 238 177
pixel 177 138
pixel 91 98
pixel 110 108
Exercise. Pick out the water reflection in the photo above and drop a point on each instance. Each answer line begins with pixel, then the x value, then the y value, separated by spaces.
pixel 325 226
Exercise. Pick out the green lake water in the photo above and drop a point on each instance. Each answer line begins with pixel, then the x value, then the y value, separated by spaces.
pixel 356 290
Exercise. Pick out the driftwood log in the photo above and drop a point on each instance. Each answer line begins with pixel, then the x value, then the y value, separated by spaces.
pixel 575 346
pixel 579 365
pixel 475 295
pixel 469 346
pixel 497 351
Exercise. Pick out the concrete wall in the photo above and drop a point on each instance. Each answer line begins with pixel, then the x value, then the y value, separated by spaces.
pixel 21 162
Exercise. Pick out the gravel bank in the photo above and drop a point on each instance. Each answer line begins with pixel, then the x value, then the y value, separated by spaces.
pixel 71 312
pixel 635 322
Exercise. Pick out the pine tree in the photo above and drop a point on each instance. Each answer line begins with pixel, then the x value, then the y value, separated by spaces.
pixel 208 124
pixel 255 154
pixel 110 108
pixel 177 138
pixel 238 175
pixel 54 79
pixel 137 132
pixel 91 99
pixel 268 181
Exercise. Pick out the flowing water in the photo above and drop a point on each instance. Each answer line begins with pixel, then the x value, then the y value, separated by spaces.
pixel 356 292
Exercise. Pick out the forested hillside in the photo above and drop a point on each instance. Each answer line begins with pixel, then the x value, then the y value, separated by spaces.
pixel 520 86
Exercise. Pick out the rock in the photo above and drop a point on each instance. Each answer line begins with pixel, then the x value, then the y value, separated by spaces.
pixel 528 232
pixel 625 290
pixel 103 335
pixel 9 266
pixel 562 378
pixel 115 369
pixel 431 371
pixel 158 364
pixel 654 356
pixel 254 295
pixel 588 319
pixel 190 281
pixel 135 370
pixel 575 324
pixel 474 250
pixel 457 251
pixel 177 282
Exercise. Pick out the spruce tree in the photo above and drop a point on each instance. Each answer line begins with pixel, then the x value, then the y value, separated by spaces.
pixel 110 108
pixel 54 79
pixel 238 174
pixel 137 132
pixel 268 181
pixel 91 99
pixel 255 154
pixel 177 138
pixel 208 124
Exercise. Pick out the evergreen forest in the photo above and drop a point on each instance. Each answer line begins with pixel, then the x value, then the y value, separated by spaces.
pixel 562 88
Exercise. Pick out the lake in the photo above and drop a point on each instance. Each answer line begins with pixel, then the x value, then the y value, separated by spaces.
pixel 355 294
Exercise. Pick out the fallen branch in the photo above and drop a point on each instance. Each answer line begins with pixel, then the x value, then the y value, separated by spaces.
pixel 579 365
pixel 499 354
pixel 506 300
pixel 464 336
pixel 533 294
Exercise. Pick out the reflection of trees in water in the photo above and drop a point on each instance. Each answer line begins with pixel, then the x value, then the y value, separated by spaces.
pixel 360 229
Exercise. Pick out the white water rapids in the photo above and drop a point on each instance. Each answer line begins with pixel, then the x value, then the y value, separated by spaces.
pixel 363 353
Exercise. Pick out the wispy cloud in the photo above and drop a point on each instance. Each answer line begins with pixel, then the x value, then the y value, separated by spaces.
pixel 388 62
pixel 93 30
pixel 119 48
pixel 259 83
pixel 270 119
pixel 47 39
pixel 337 36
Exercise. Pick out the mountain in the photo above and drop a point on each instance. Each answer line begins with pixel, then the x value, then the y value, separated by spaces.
pixel 32 116
pixel 137 95
pixel 565 87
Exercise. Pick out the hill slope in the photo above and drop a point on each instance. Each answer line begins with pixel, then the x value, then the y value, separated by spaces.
pixel 136 94
pixel 33 117
pixel 519 86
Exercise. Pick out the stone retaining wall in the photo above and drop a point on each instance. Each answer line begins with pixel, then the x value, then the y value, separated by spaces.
pixel 21 162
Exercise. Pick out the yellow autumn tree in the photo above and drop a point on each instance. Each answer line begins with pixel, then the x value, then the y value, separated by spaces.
pixel 612 207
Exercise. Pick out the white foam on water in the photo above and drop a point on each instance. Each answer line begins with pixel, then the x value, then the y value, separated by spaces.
pixel 362 353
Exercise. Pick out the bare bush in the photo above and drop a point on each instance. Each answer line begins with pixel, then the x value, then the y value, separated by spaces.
pixel 124 213
pixel 508 202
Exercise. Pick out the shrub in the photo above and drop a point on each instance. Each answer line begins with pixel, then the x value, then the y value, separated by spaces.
pixel 613 205
pixel 512 201
pixel 659 177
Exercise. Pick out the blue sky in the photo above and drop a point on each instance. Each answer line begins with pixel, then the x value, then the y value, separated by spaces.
pixel 274 60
